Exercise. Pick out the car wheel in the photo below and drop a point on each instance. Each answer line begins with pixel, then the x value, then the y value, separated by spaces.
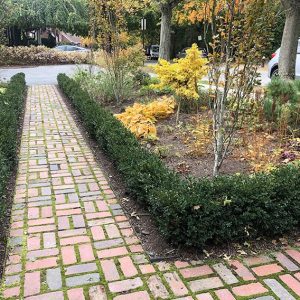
pixel 275 73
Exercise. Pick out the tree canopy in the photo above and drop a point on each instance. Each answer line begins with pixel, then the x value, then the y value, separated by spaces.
pixel 67 15
pixel 5 9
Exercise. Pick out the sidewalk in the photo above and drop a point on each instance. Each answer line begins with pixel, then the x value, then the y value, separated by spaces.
pixel 71 240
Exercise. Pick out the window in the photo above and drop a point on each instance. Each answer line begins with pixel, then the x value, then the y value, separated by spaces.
pixel 71 48
pixel 62 48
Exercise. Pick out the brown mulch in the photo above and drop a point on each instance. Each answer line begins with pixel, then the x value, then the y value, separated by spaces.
pixel 179 157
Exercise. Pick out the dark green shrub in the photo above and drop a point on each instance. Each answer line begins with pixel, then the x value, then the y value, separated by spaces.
pixel 193 212
pixel 283 91
pixel 148 89
pixel 282 101
pixel 142 78
pixel 11 105
pixel 297 85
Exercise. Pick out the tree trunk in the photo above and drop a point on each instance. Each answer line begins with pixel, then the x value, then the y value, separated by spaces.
pixel 165 31
pixel 219 134
pixel 289 45
pixel 17 40
pixel 38 36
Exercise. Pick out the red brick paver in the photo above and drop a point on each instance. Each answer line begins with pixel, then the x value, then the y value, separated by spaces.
pixel 70 239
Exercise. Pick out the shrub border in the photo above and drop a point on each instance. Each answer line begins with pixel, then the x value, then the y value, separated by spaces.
pixel 193 212
pixel 13 99
pixel 12 103
pixel 38 56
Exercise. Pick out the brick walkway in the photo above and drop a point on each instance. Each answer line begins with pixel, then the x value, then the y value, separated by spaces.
pixel 71 240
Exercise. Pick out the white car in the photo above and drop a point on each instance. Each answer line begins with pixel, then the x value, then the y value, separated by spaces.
pixel 273 64
pixel 69 48
pixel 154 51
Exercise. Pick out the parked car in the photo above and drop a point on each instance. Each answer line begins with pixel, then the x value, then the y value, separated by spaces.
pixel 182 53
pixel 71 48
pixel 154 52
pixel 273 64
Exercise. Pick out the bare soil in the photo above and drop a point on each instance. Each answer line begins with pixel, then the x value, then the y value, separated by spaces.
pixel 175 149
pixel 182 150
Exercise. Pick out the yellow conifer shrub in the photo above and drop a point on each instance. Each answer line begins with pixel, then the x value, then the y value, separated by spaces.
pixel 183 74
pixel 140 118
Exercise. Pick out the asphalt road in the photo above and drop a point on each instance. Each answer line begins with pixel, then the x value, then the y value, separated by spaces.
pixel 41 74
pixel 48 74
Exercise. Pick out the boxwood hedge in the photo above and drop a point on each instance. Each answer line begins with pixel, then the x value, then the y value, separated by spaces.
pixel 193 212
pixel 11 106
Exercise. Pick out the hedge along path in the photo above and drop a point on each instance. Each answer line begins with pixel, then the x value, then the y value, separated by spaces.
pixel 70 239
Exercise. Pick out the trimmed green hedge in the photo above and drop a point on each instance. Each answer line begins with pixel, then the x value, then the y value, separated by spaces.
pixel 11 106
pixel 193 212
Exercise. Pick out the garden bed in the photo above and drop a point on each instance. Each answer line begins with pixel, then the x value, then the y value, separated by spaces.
pixel 143 223
pixel 186 145
pixel 188 152
pixel 193 212
pixel 12 103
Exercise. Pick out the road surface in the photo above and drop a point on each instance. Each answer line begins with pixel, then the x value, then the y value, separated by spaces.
pixel 47 74
pixel 40 75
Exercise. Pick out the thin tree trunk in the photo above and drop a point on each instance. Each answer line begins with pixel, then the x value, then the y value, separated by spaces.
pixel 39 37
pixel 219 134
pixel 17 36
pixel 220 105
pixel 165 31
pixel 288 51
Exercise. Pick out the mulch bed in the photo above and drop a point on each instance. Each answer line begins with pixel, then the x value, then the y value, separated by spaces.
pixel 178 156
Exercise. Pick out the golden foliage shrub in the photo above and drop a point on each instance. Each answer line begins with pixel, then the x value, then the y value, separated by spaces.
pixel 183 74
pixel 140 118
